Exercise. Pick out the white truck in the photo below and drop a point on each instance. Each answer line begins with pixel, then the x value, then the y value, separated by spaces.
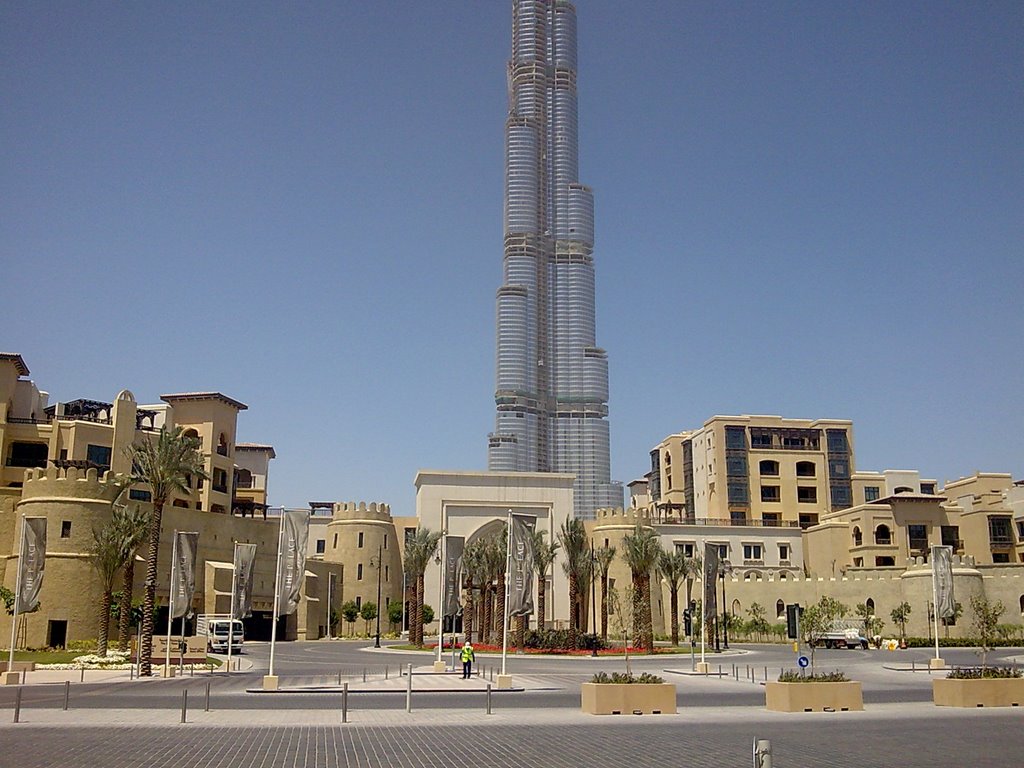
pixel 843 636
pixel 217 628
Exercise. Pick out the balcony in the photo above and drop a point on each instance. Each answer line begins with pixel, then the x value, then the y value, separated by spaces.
pixel 222 450
pixel 220 487
pixel 1000 541
pixel 26 462
pixel 738 523
pixel 16 420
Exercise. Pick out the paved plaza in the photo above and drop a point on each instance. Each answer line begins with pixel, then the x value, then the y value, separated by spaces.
pixel 114 721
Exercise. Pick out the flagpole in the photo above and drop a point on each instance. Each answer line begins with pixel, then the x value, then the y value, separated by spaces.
pixel 508 562
pixel 277 589
pixel 935 602
pixel 234 593
pixel 170 602
pixel 17 593
pixel 444 566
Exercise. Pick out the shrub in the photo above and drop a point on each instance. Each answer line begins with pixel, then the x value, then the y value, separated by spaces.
pixel 562 640
pixel 978 673
pixel 645 678
pixel 792 676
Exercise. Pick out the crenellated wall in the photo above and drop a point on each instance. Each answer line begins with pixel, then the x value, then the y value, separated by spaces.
pixel 357 534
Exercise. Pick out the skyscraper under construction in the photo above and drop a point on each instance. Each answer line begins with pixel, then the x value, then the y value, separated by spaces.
pixel 552 378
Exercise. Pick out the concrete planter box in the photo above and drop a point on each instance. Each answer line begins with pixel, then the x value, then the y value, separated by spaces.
pixel 628 698
pixel 813 697
pixel 19 666
pixel 990 692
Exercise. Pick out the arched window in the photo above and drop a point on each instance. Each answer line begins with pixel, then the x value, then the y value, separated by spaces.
pixel 780 609
pixel 244 479
pixel 191 433
pixel 858 537
pixel 736 608
pixel 769 468
pixel 883 535
pixel 783 575
pixel 805 469
pixel 903 489
pixel 1022 604
pixel 222 445
pixel 870 603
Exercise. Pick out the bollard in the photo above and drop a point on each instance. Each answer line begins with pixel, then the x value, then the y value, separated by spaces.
pixel 207 696
pixel 488 698
pixel 24 676
pixel 339 677
pixel 344 703
pixel 719 671
pixel 385 671
pixel 67 692
pixel 17 705
pixel 184 703
pixel 766 674
pixel 913 666
pixel 131 672
pixel 736 672
pixel 191 670
pixel 762 753
pixel 408 692
pixel 364 674
pixel 82 678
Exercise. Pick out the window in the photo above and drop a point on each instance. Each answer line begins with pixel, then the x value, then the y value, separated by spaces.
pixel 321 546
pixel 807 519
pixel 858 537
pixel 780 609
pixel 769 468
pixel 928 488
pixel 885 562
pixel 25 455
pixel 806 494
pixel 770 493
pixel 882 535
pixel 736 466
pixel 387 573
pixel 858 562
pixel 870 605
pixel 1020 531
pixel 359 571
pixel 784 552
pixel 917 537
pixel 735 438
pixel 903 489
pixel 359 600
pixel 385 541
pixel 1000 557
pixel 738 493
pixel 752 552
pixel 335 541
pixel 839 468
pixel 870 493
pixel 98 455
pixel 723 551
pixel 806 469
pixel 1000 532
pixel 686 548
pixel 771 519
pixel 243 479
pixel 737 517
pixel 65 529
pixel 837 442
pixel 136 494
pixel 840 495
pixel 360 545
pixel 760 438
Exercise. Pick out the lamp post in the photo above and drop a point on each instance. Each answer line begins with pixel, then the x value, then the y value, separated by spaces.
pixel 593 595
pixel 726 568
pixel 380 556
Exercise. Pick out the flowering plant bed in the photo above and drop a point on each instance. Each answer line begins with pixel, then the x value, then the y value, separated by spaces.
pixel 484 648
pixel 625 694
pixel 980 687
pixel 812 695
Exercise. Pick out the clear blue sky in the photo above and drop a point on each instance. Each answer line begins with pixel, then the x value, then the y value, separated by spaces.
pixel 805 209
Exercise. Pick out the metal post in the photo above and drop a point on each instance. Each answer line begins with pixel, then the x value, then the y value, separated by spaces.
pixel 380 555
pixel 82 677
pixel 736 672
pixel 184 703
pixel 364 674
pixel 408 692
pixel 385 671
pixel 762 753
pixel 67 693
pixel 339 677
pixel 24 676
pixel 17 704
pixel 488 698
pixel 207 697
pixel 344 703
pixel 766 674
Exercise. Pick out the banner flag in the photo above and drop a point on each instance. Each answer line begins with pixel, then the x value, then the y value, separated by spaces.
pixel 453 548
pixel 31 563
pixel 245 558
pixel 292 558
pixel 183 575
pixel 521 566
pixel 710 579
pixel 942 582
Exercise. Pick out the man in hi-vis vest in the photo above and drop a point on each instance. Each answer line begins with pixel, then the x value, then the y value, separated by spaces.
pixel 468 657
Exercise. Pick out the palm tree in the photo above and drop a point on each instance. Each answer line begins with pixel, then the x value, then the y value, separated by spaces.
pixel 471 568
pixel 133 525
pixel 494 560
pixel 573 539
pixel 164 464
pixel 419 551
pixel 673 568
pixel 544 555
pixel 603 557
pixel 106 559
pixel 640 551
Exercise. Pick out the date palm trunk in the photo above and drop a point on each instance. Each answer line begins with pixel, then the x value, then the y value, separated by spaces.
pixel 149 592
pixel 124 620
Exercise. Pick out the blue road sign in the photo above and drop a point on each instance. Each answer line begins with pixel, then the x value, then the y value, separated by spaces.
pixel 803 661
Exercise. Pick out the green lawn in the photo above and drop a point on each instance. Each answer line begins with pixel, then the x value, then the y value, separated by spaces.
pixel 44 657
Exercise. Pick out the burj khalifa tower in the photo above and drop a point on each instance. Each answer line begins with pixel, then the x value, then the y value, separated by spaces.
pixel 552 378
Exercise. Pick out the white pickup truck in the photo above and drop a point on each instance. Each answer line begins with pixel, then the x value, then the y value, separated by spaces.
pixel 843 636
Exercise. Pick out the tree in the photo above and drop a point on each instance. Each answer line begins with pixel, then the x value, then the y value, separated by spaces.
pixel 818 619
pixel 603 557
pixel 672 567
pixel 165 465
pixel 395 614
pixel 640 550
pixel 106 557
pixel 133 525
pixel 900 615
pixel 544 555
pixel 958 611
pixel 428 614
pixel 986 622
pixel 368 612
pixel 573 539
pixel 350 612
pixel 419 551
pixel 472 571
pixel 758 623
pixel 872 624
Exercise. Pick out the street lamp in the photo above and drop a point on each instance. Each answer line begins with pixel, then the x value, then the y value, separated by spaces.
pixel 726 568
pixel 593 596
pixel 380 556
